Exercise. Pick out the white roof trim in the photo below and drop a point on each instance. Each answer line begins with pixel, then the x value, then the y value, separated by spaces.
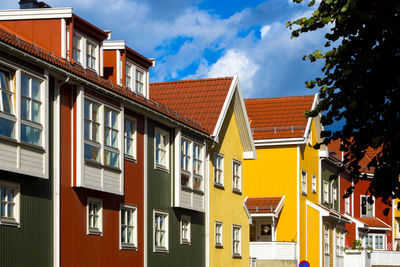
pixel 315 102
pixel 280 206
pixel 322 211
pixel 263 215
pixel 36 13
pixel 247 211
pixel 279 141
pixel 113 45
pixel 354 220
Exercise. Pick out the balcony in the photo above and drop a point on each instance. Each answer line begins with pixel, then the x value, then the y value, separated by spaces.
pixel 373 258
pixel 273 251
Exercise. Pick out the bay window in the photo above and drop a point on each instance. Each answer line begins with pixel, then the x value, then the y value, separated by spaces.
pixel 111 151
pixel 7 113
pixel 91 130
pixel 191 164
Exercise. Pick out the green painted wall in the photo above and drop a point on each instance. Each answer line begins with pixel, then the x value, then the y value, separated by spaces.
pixel 159 198
pixel 327 169
pixel 30 245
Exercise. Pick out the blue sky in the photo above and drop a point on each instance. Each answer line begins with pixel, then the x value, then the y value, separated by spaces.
pixel 199 39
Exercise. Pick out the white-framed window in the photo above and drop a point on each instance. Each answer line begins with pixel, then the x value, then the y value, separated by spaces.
pixel 161 148
pixel 130 137
pixel 367 209
pixel 185 229
pixel 236 241
pixel 340 237
pixel 92 124
pixel 309 138
pixel 94 216
pixel 237 176
pixel 160 231
pixel 326 239
pixel 334 194
pixel 111 140
pixel 135 78
pixel 375 241
pixel 7 111
pixel 314 184
pixel 219 169
pixel 128 222
pixel 218 234
pixel 9 203
pixel 303 182
pixel 347 205
pixel 192 164
pixel 325 191
pixel 85 52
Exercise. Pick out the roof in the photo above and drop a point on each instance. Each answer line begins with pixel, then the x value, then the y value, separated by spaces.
pixel 259 205
pixel 373 223
pixel 77 70
pixel 278 117
pixel 200 100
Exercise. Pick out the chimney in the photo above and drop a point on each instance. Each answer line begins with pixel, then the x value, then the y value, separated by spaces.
pixel 28 4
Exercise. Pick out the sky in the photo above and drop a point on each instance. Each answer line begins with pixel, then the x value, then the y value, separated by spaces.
pixel 192 39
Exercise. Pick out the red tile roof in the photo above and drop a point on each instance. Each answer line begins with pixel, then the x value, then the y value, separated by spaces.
pixel 76 69
pixel 373 222
pixel 200 100
pixel 257 205
pixel 278 117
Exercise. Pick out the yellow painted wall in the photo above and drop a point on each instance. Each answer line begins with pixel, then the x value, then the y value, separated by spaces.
pixel 313 240
pixel 226 206
pixel 274 173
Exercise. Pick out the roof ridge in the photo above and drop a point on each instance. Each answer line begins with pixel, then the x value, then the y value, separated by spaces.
pixel 194 80
pixel 278 98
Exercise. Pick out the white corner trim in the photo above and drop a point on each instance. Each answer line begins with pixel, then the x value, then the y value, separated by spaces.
pixel 247 211
pixel 36 13
pixel 321 211
pixel 298 205
pixel 315 102
pixel 113 45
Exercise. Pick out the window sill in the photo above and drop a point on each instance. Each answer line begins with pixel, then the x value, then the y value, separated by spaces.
pixel 161 250
pixel 186 188
pixel 198 192
pixel 220 246
pixel 95 232
pixel 304 193
pixel 93 163
pixel 128 247
pixel 185 242
pixel 9 222
pixel 220 186
pixel 112 168
pixel 33 147
pixel 161 168
pixel 236 191
pixel 130 158
pixel 236 256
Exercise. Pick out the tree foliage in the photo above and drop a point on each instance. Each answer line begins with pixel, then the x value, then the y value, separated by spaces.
pixel 360 83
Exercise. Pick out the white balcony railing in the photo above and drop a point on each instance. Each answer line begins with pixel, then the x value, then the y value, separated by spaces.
pixel 273 250
pixel 389 258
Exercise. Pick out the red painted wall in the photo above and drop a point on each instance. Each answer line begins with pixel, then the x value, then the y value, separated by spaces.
pixel 78 248
pixel 109 63
pixel 45 33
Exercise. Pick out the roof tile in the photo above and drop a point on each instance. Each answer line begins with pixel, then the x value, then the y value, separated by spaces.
pixel 262 204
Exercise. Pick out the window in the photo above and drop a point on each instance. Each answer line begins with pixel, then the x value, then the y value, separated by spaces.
pixel 314 184
pixel 7 113
pixel 128 227
pixel 185 229
pixel 367 209
pixel 309 138
pixel 135 78
pixel 218 169
pixel 236 241
pixel 111 140
pixel 77 49
pixel 197 167
pixel 31 128
pixel 160 231
pixel 91 130
pixel 191 164
pixel 334 194
pixel 130 138
pixel 94 217
pixel 185 163
pixel 369 243
pixel 91 55
pixel 375 241
pixel 218 234
pixel 347 205
pixel 161 144
pixel 326 239
pixel 340 242
pixel 237 174
pixel 326 192
pixel 9 203
pixel 303 182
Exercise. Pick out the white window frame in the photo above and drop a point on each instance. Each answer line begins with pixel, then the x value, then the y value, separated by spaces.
pixel 340 236
pixel 185 226
pixel 84 42
pixel 314 184
pixel 89 44
pixel 15 220
pixel 161 165
pixel 236 174
pixel 347 205
pixel 374 237
pixel 219 170
pixel 326 239
pixel 132 85
pixel 325 192
pixel 218 234
pixel 133 209
pixel 109 148
pixel 166 236
pixel 92 230
pixel 189 159
pixel 309 138
pixel 303 182
pixel 235 228
pixel 367 204
pixel 132 137
pixel 82 48
pixel 11 117
pixel 334 194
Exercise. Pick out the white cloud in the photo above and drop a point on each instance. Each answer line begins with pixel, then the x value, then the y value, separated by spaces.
pixel 264 30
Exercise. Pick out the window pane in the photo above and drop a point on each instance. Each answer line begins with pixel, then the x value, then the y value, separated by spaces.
pixel 114 138
pixel 128 128
pixel 123 234
pixel 114 121
pixel 197 183
pixel 25 108
pixel 35 89
pixel 4 81
pixel 3 210
pixel 107 136
pixel 111 159
pixel 24 85
pixel 87 129
pixel 128 147
pixel 10 211
pixel 92 153
pixel 30 135
pixel 35 112
pixel 7 98
pixel 6 128
pixel 95 132
pixel 87 110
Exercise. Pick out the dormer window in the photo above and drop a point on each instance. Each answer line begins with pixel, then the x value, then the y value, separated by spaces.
pixel 91 55
pixel 88 59
pixel 77 49
pixel 135 78
pixel 139 81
